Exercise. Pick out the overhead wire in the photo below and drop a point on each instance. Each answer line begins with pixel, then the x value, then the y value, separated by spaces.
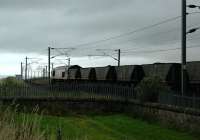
pixel 127 33
pixel 131 40
pixel 131 32
pixel 171 42
pixel 160 50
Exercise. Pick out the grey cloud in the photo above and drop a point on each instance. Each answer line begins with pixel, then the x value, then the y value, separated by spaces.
pixel 31 25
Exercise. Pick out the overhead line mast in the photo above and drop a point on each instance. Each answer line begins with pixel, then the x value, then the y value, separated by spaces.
pixel 184 32
pixel 49 65
pixel 26 68
pixel 184 45
pixel 119 57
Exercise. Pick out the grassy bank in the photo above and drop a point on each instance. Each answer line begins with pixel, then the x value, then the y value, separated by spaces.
pixel 112 127
pixel 20 126
pixel 15 126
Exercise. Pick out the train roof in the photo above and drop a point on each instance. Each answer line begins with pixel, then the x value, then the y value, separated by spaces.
pixel 74 67
pixel 60 67
pixel 160 69
pixel 66 67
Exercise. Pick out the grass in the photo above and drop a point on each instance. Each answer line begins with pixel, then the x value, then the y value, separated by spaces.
pixel 112 127
pixel 13 128
pixel 20 126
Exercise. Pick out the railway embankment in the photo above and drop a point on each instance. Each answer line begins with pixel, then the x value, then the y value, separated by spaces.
pixel 177 117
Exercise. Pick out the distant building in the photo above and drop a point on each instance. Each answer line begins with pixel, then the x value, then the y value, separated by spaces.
pixel 18 77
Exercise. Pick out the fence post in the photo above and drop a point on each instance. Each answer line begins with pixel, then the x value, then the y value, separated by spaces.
pixel 59 136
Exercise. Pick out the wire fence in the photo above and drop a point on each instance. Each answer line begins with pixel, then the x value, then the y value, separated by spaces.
pixel 74 90
pixel 90 91
pixel 178 100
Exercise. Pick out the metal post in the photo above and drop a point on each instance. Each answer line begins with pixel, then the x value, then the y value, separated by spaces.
pixel 49 65
pixel 26 69
pixel 59 135
pixel 21 71
pixel 119 53
pixel 183 72
pixel 31 74
pixel 46 72
pixel 52 66
pixel 68 62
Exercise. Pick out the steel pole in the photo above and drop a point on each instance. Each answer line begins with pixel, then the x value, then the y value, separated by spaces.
pixel 26 68
pixel 52 66
pixel 21 71
pixel 49 65
pixel 119 55
pixel 68 62
pixel 183 70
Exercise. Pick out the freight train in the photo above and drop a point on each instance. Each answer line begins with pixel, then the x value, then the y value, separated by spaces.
pixel 170 73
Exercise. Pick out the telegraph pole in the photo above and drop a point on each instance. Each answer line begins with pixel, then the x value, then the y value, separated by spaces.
pixel 43 72
pixel 21 71
pixel 68 62
pixel 184 32
pixel 28 73
pixel 49 65
pixel 119 55
pixel 26 68
pixel 52 66
pixel 46 71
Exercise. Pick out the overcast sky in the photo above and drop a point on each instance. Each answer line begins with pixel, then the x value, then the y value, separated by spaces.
pixel 28 27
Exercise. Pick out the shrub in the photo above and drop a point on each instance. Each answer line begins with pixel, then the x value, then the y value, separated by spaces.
pixel 149 88
pixel 16 126
pixel 12 82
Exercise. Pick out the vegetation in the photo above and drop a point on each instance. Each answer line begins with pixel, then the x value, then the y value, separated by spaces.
pixel 19 126
pixel 149 89
pixel 111 127
pixel 13 127
pixel 12 82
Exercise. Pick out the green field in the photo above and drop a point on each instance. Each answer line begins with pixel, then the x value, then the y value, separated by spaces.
pixel 111 127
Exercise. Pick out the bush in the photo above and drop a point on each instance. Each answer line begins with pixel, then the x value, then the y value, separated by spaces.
pixel 12 82
pixel 149 88
pixel 19 126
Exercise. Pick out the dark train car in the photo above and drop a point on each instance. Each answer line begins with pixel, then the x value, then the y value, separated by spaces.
pixel 193 69
pixel 74 73
pixel 170 73
pixel 106 74
pixel 88 74
pixel 129 74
